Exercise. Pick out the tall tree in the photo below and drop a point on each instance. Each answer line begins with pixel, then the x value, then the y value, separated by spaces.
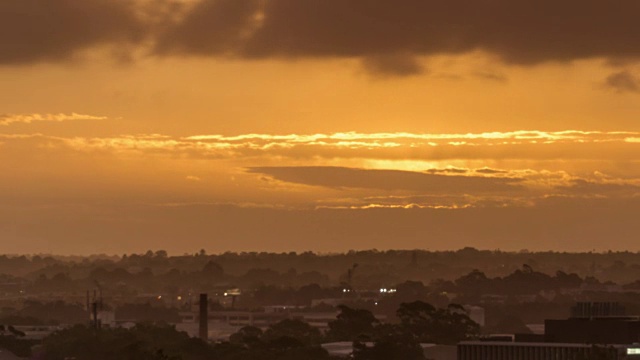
pixel 352 324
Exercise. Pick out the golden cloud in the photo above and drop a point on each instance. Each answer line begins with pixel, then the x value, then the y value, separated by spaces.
pixel 9 119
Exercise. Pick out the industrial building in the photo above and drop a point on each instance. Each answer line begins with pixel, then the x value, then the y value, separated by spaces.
pixel 593 329
pixel 503 350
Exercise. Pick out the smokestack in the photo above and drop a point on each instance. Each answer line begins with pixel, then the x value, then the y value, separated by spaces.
pixel 96 324
pixel 94 310
pixel 204 317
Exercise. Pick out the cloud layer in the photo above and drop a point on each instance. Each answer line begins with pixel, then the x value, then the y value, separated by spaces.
pixel 319 191
pixel 388 35
pixel 388 180
pixel 44 30
pixel 520 31
pixel 342 169
pixel 515 145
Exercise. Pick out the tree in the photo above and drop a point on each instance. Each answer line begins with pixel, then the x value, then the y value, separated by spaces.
pixel 295 329
pixel 352 324
pixel 475 282
pixel 142 342
pixel 390 343
pixel 566 281
pixel 16 345
pixel 286 340
pixel 427 324
pixel 416 314
pixel 247 335
pixel 213 269
pixel 526 281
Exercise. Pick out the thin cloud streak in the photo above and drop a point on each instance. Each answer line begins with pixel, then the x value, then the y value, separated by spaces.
pixel 396 146
pixel 10 119
pixel 508 135
pixel 534 145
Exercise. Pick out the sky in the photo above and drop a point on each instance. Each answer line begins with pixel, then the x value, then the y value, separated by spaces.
pixel 322 125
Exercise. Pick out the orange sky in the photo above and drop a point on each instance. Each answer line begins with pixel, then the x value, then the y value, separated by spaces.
pixel 302 125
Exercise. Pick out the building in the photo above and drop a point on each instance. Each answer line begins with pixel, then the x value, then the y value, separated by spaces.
pixel 594 328
pixel 624 330
pixel 506 350
pixel 344 349
pixel 221 324
pixel 594 323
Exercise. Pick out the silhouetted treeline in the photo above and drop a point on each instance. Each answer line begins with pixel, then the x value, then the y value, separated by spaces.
pixel 286 340
pixel 375 267
pixel 515 289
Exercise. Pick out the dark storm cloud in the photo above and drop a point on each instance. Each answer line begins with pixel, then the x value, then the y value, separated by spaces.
pixel 388 35
pixel 518 31
pixel 341 177
pixel 212 28
pixel 44 30
pixel 623 81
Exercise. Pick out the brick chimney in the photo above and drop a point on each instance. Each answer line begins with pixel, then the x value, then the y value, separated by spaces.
pixel 204 317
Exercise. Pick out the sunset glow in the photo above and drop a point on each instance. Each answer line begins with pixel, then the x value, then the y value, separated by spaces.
pixel 235 125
